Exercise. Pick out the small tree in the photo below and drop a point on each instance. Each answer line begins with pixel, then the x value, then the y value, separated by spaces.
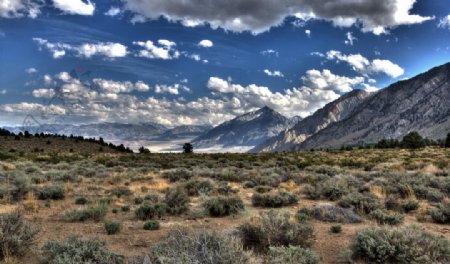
pixel 143 150
pixel 188 148
pixel 413 141
pixel 447 141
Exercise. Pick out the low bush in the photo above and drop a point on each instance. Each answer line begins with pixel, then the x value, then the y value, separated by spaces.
pixel 138 200
pixel 112 227
pixel 151 225
pixel 410 205
pixel 182 246
pixel 95 212
pixel 195 187
pixel 362 203
pixel 274 200
pixel 441 214
pixel 400 245
pixel 249 184
pixel 223 206
pixel 275 229
pixel 16 235
pixel 263 189
pixel 177 175
pixel 149 211
pixel 383 217
pixel 50 192
pixel 336 229
pixel 292 255
pixel 332 214
pixel 81 200
pixel 75 249
pixel 121 191
pixel 177 201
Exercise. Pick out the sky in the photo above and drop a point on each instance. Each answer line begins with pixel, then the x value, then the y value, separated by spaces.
pixel 196 62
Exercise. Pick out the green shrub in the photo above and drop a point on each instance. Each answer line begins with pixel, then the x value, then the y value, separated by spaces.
pixel 263 189
pixel 332 214
pixel 292 255
pixel 400 245
pixel 151 225
pixel 95 212
pixel 362 203
pixel 225 189
pixel 410 205
pixel 75 249
pixel 274 200
pixel 151 211
pixel 138 200
pixel 112 227
pixel 196 187
pixel 125 208
pixel 182 246
pixel 50 192
pixel 383 217
pixel 81 200
pixel 441 214
pixel 177 201
pixel 121 191
pixel 223 206
pixel 275 229
pixel 336 229
pixel 249 184
pixel 16 235
pixel 177 175
pixel 21 187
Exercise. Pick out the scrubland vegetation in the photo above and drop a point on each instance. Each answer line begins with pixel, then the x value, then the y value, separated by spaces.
pixel 348 206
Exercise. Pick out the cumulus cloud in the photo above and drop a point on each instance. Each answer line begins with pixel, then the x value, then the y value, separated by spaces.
pixel 116 87
pixel 206 43
pixel 308 33
pixel 273 73
pixel 258 16
pixel 444 22
pixel 31 70
pixel 365 66
pixel 86 50
pixel 270 52
pixel 350 39
pixel 75 7
pixel 20 8
pixel 113 11
pixel 44 93
pixel 171 89
pixel 164 50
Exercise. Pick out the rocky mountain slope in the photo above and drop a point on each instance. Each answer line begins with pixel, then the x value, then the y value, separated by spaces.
pixel 247 130
pixel 331 113
pixel 419 104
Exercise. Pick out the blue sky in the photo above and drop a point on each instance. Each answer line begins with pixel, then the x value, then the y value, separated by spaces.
pixel 179 62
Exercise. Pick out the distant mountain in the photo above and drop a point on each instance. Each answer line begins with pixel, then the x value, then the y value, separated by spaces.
pixel 331 113
pixel 185 132
pixel 247 130
pixel 419 104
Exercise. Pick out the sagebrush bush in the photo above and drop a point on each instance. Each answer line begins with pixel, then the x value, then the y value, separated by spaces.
pixel 50 192
pixel 383 217
pixel 336 229
pixel 121 191
pixel 81 200
pixel 332 214
pixel 75 249
pixel 263 189
pixel 275 229
pixel 195 187
pixel 224 205
pixel 151 225
pixel 182 246
pixel 275 200
pixel 177 200
pixel 362 203
pixel 112 227
pixel 441 214
pixel 95 212
pixel 16 235
pixel 400 245
pixel 177 175
pixel 149 211
pixel 292 255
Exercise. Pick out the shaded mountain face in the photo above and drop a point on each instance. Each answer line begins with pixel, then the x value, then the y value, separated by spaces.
pixel 419 104
pixel 247 130
pixel 331 113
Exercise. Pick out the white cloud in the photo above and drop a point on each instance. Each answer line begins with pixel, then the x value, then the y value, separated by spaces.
pixel 113 11
pixel 164 50
pixel 350 39
pixel 270 52
pixel 87 50
pixel 444 22
pixel 3 92
pixel 363 65
pixel 308 33
pixel 44 93
pixel 195 57
pixel 206 43
pixel 170 89
pixel 31 70
pixel 273 73
pixel 326 80
pixel 20 8
pixel 116 87
pixel 253 15
pixel 75 7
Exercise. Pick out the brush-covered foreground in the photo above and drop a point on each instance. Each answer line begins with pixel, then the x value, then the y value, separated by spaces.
pixel 358 206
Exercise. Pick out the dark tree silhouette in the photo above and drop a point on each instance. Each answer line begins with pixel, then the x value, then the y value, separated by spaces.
pixel 188 148
pixel 143 150
pixel 413 141
pixel 447 141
